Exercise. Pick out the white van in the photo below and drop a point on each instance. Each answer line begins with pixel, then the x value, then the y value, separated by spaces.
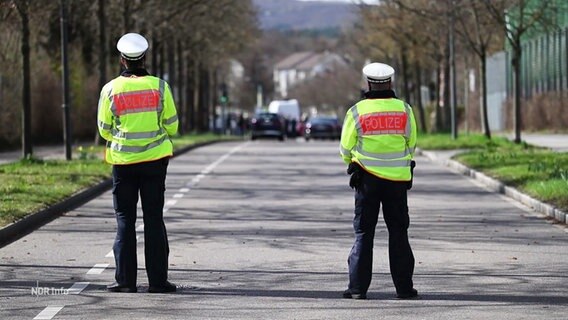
pixel 289 109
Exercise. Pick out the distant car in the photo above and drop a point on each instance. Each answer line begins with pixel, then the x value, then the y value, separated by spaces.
pixel 323 128
pixel 269 125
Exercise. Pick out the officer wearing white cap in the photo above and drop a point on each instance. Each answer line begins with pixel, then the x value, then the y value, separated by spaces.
pixel 137 117
pixel 377 144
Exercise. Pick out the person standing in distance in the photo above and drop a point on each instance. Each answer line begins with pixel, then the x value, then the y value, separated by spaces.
pixel 137 117
pixel 377 144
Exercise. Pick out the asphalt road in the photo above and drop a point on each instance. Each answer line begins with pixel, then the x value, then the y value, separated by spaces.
pixel 261 230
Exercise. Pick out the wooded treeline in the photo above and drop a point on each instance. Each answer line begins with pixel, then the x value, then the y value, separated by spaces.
pixel 190 44
pixel 437 43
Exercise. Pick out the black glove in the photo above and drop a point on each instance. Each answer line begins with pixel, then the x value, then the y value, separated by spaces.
pixel 356 175
pixel 412 165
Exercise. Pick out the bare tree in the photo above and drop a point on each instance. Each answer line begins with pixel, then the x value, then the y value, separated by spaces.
pixel 476 30
pixel 23 10
pixel 517 17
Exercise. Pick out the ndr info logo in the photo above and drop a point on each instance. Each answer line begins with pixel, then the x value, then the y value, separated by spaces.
pixel 48 291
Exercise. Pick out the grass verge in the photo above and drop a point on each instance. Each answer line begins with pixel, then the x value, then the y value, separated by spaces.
pixel 538 172
pixel 28 186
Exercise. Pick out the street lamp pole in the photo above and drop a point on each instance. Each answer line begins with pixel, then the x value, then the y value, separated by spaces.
pixel 453 97
pixel 65 76
pixel 453 100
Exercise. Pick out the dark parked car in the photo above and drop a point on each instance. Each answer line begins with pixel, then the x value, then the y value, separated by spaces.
pixel 322 127
pixel 267 125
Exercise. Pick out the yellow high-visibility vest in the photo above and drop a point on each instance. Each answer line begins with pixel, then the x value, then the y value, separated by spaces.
pixel 137 116
pixel 380 135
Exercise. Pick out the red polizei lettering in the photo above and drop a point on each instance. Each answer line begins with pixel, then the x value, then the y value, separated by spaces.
pixel 383 123
pixel 136 101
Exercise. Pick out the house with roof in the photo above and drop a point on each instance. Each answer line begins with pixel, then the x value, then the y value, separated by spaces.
pixel 301 66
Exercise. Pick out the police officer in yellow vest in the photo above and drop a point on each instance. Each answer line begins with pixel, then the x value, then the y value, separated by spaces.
pixel 377 143
pixel 137 116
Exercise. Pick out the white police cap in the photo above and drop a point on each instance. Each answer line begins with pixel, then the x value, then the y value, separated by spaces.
pixel 378 72
pixel 132 46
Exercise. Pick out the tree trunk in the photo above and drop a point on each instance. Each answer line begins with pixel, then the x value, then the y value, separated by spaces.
pixel 27 151
pixel 162 62
pixel 215 98
pixel 196 95
pixel 517 83
pixel 181 83
pixel 438 98
pixel 419 98
pixel 102 55
pixel 483 97
pixel 447 96
pixel 172 81
pixel 155 53
pixel 126 15
pixel 203 99
pixel 189 110
pixel 404 61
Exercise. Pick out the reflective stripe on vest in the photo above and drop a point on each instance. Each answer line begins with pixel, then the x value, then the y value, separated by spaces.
pixel 391 155
pixel 171 120
pixel 344 152
pixel 384 163
pixel 136 149
pixel 104 125
pixel 136 135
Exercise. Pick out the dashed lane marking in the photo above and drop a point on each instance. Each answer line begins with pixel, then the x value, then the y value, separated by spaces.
pixel 77 287
pixel 48 313
pixel 98 268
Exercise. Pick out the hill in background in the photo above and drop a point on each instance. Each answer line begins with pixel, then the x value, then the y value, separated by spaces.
pixel 304 15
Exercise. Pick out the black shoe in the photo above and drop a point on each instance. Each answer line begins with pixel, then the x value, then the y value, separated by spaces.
pixel 408 295
pixel 115 287
pixel 347 294
pixel 164 288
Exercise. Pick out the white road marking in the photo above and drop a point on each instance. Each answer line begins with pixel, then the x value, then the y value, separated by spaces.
pixel 140 227
pixel 213 165
pixel 178 195
pixel 77 287
pixel 110 254
pixel 166 209
pixel 170 203
pixel 98 268
pixel 49 312
pixel 184 190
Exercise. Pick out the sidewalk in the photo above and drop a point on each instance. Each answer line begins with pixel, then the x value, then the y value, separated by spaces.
pixel 556 142
pixel 41 152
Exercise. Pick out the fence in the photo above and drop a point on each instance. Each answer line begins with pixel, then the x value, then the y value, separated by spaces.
pixel 544 64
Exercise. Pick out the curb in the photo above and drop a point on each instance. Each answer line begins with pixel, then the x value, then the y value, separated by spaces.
pixel 29 223
pixel 499 187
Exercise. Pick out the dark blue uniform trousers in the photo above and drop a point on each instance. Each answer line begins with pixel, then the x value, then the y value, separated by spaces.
pixel 373 192
pixel 149 180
